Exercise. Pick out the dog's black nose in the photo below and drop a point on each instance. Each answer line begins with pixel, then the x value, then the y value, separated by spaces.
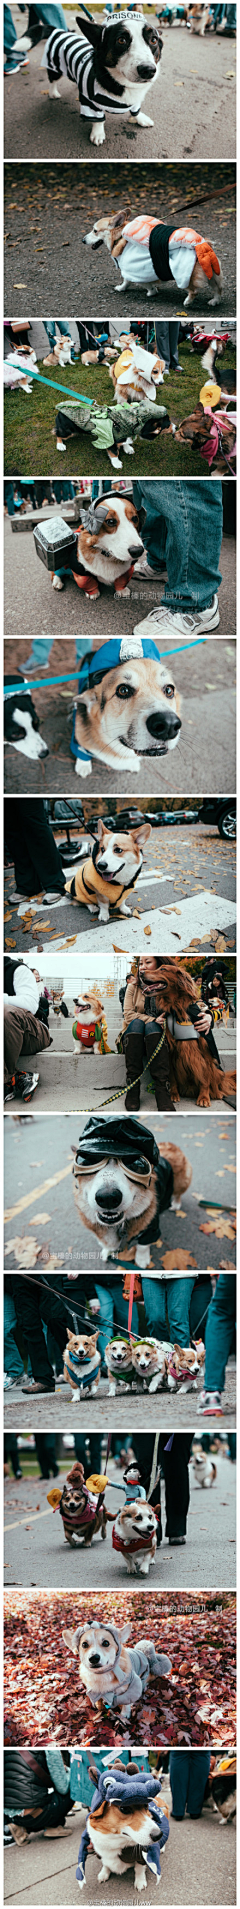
pixel 154 1834
pixel 146 72
pixel 95 1659
pixel 109 1198
pixel 135 550
pixel 103 867
pixel 163 723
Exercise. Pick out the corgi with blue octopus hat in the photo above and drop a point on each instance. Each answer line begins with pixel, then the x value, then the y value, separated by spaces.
pixel 127 706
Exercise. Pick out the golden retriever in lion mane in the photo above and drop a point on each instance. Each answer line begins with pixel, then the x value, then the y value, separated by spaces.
pixel 194 1073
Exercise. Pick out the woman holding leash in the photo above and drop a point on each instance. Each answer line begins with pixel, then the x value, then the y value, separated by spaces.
pixel 141 1033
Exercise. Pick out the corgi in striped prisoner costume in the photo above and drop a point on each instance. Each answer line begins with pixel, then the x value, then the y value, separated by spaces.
pixel 112 65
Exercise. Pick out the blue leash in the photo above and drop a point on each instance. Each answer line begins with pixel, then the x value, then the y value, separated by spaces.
pixel 79 399
pixel 71 677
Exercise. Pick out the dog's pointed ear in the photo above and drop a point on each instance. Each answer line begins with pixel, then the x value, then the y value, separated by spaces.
pixel 125 1633
pixel 71 1639
pixel 94 1337
pixel 69 1334
pixel 119 218
pixel 90 28
pixel 199 410
pixel 100 829
pixel 86 700
pixel 141 834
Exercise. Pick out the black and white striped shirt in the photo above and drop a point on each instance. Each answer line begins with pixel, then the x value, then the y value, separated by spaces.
pixel 69 54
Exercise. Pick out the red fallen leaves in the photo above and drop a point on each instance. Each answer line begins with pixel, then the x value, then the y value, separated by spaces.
pixel 195 1705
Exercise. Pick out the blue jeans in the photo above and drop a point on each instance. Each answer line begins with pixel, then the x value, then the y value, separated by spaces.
pixel 51 17
pixel 113 1311
pixel 219 1332
pixel 175 1294
pixel 41 646
pixel 9 32
pixel 183 525
pixel 13 1362
pixel 188 1777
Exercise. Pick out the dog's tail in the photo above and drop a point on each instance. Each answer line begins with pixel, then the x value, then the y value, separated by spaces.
pixel 226 1084
pixel 159 1665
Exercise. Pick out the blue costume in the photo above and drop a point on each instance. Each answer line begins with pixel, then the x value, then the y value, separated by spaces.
pixel 129 1792
pixel 108 657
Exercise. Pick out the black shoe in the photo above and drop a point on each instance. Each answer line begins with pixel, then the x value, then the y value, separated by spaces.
pixel 132 1098
pixel 18 1474
pixel 36 1385
pixel 25 1086
pixel 163 1098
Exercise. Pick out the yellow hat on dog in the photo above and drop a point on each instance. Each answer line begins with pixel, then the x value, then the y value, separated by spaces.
pixel 210 394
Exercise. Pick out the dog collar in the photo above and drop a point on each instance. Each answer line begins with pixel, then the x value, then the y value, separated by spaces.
pixel 136 1544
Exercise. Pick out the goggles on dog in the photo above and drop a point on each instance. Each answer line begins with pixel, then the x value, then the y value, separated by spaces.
pixel 139 1170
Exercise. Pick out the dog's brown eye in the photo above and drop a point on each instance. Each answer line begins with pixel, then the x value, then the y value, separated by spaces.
pixel 169 690
pixel 104 1643
pixel 124 691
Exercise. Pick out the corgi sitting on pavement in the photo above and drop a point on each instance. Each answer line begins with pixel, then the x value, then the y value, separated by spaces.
pixel 127 1825
pixel 110 872
pixel 204 1467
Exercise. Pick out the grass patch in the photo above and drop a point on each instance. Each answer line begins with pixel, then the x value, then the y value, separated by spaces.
pixel 30 449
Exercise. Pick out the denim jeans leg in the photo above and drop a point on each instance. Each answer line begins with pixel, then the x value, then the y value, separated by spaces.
pixel 184 525
pixel 105 1298
pixel 219 1332
pixel 178 1304
pixel 154 1294
pixel 13 1363
pixel 121 1310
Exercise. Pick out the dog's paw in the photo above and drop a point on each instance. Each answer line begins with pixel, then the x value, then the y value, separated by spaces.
pixel 142 1256
pixel 97 135
pixel 124 910
pixel 103 1874
pixel 116 462
pixel 142 119
pixel 140 1879
pixel 133 763
pixel 82 768
pixel 57 583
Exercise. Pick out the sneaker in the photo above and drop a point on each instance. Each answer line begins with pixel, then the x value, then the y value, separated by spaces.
pixel 8 1381
pixel 55 894
pixel 209 1404
pixel 165 622
pixel 145 569
pixel 11 66
pixel 18 896
pixel 32 669
pixel 25 1086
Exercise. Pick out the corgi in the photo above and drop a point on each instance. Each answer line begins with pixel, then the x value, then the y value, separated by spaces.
pixel 127 1825
pixel 123 1183
pixel 108 544
pixel 113 66
pixel 150 253
pixel 103 881
pixel 110 1672
pixel 81 1363
pixel 198 18
pixel 89 1011
pixel 183 1365
pixel 136 373
pixel 134 1533
pixel 204 1467
pixel 127 706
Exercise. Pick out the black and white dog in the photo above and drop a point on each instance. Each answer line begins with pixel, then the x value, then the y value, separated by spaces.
pixel 21 724
pixel 113 66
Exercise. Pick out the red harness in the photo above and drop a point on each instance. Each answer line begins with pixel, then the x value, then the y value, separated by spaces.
pixel 137 1544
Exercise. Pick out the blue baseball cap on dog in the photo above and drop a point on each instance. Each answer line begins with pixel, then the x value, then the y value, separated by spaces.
pixel 115 651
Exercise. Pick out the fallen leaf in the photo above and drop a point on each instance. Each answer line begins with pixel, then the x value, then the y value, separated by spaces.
pixel 40 1219
pixel 147 930
pixel 177 1259
pixel 25 1250
pixel 9 942
pixel 19 286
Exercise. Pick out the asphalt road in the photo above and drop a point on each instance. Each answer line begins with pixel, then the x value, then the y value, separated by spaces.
pixel 205 755
pixel 49 217
pixel 198 1866
pixel 200 120
pixel 37 1553
pixel 32 604
pixel 181 868
pixel 38 1181
pixel 51 1413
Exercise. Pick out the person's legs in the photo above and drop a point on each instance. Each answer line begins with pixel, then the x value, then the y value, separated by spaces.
pixel 184 524
pixel 9 31
pixel 23 1034
pixel 95 1451
pixel 11 1451
pixel 105 1298
pixel 175 1469
pixel 162 331
pixel 121 1310
pixel 80 1448
pixel 30 840
pixel 159 1067
pixel 154 1294
pixel 179 1777
pixel 178 1306
pixel 13 1362
pixel 199 1766
pixel 51 17
pixel 173 340
pixel 219 1332
pixel 133 1048
pixel 51 1815
pixel 28 1313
